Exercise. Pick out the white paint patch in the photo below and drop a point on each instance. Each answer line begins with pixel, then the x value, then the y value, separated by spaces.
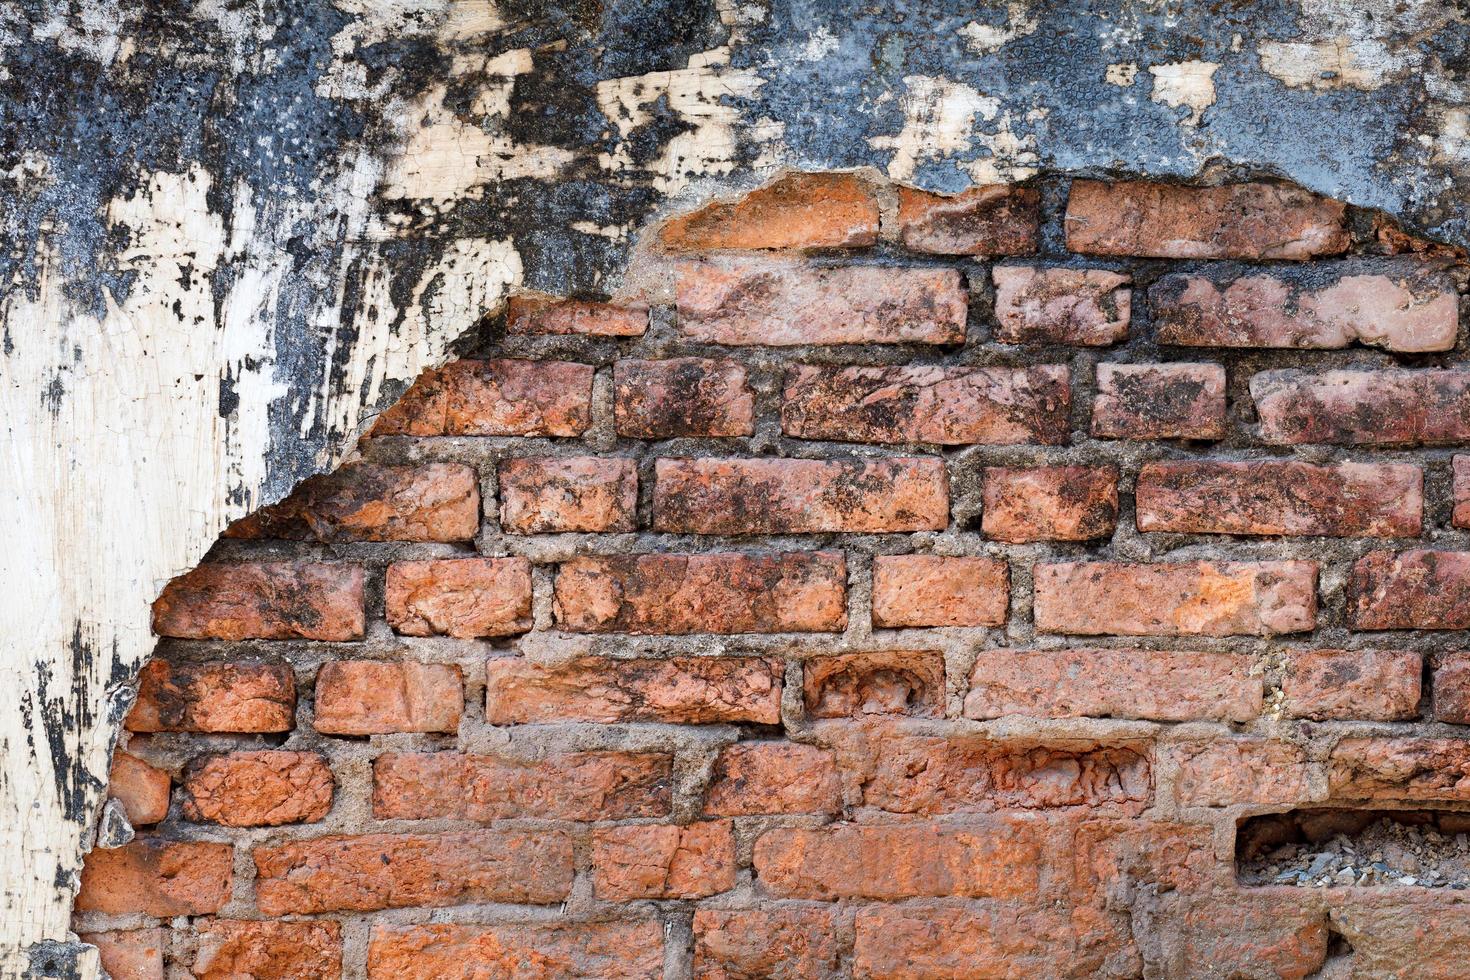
pixel 988 38
pixel 1185 83
pixel 1121 73
pixel 1339 62
pixel 940 121
pixel 819 44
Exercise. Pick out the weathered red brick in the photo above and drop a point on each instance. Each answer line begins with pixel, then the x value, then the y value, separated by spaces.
pixel 1243 935
pixel 1157 685
pixel 945 406
pixel 1452 687
pixel 774 942
pixel 1178 599
pixel 1239 770
pixel 1050 503
pixel 567 786
pixel 230 950
pixel 1359 408
pixel 779 304
pixel 461 597
pixel 796 592
pixel 258 789
pixel 1112 854
pixel 237 696
pixel 386 871
pixel 1373 685
pixel 1409 769
pixel 570 493
pixel 773 777
pixel 372 502
pixel 797 210
pixel 157 877
pixel 1401 307
pixel 1036 305
pixel 135 954
pixel 1461 515
pixel 682 397
pixel 1236 221
pixel 263 601
pixel 799 496
pixel 1426 590
pixel 1412 935
pixel 663 861
pixel 887 682
pixel 142 789
pixel 525 951
pixel 1159 401
pixel 681 690
pixel 1281 497
pixel 494 398
pixel 994 219
pixel 542 314
pixel 368 697
pixel 935 590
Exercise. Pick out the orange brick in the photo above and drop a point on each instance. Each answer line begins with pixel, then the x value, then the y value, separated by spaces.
pixel 993 219
pixel 264 601
pixel 1050 503
pixel 142 789
pixel 798 210
pixel 494 398
pixel 779 942
pixel 682 397
pixel 570 493
pixel 541 314
pixel 525 951
pixel 300 950
pixel 366 697
pixel 136 954
pixel 887 682
pixel 1035 305
pixel 773 777
pixel 1400 769
pixel 258 789
pixel 933 590
pixel 157 877
pixel 1422 589
pixel 463 597
pixel 662 861
pixel 1239 770
pixel 1363 408
pixel 1159 401
pixel 1373 685
pixel 237 696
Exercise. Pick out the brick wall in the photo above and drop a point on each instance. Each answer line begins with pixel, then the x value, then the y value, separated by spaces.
pixel 910 587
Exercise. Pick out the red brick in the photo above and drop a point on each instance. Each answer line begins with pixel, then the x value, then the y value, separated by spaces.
pixel 681 690
pixel 1157 685
pixel 944 406
pixel 774 942
pixel 1452 687
pixel 1399 933
pixel 1410 590
pixel 1411 769
pixel 135 954
pixel 1244 935
pixel 1461 515
pixel 1363 408
pixel 791 592
pixel 157 877
pixel 1239 770
pixel 300 950
pixel 797 210
pixel 141 789
pixel 1236 221
pixel 371 502
pixel 799 496
pixel 1281 497
pixel 1035 305
pixel 773 777
pixel 263 601
pixel 568 786
pixel 780 304
pixel 494 398
pixel 888 682
pixel 662 861
pixel 525 951
pixel 240 696
pixel 258 789
pixel 570 493
pixel 993 219
pixel 368 697
pixel 934 590
pixel 386 871
pixel 1180 599
pixel 541 314
pixel 1050 503
pixel 1109 856
pixel 998 859
pixel 1402 308
pixel 1373 685
pixel 463 597
pixel 1159 401
pixel 682 397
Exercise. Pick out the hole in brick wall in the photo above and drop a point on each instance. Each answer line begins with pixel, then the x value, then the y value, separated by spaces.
pixel 1340 847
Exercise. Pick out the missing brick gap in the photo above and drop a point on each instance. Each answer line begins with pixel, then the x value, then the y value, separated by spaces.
pixel 1320 848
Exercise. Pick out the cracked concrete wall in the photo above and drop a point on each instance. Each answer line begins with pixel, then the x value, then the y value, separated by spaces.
pixel 234 232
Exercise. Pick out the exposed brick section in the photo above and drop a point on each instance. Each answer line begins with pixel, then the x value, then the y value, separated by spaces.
pixel 570 786
pixel 241 696
pixel 258 789
pixel 889 682
pixel 157 877
pixel 682 690
pixel 798 592
pixel 300 950
pixel 1266 497
pixel 1372 685
pixel 819 210
pixel 494 398
pixel 1403 308
pixel 462 597
pixel 1157 685
pixel 944 406
pixel 661 861
pixel 773 777
pixel 1050 503
pixel 776 942
pixel 1400 769
pixel 1086 307
pixel 781 304
pixel 370 502
pixel 526 951
pixel 682 397
pixel 1461 515
pixel 1359 408
pixel 1239 770
pixel 933 590
pixel 995 219
pixel 799 496
pixel 367 697
pixel 1426 590
pixel 143 790
pixel 1159 401
pixel 1237 221
pixel 1451 687
pixel 1275 936
pixel 135 954
pixel 263 601
pixel 1196 599
pixel 384 871
pixel 532 314
pixel 579 493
